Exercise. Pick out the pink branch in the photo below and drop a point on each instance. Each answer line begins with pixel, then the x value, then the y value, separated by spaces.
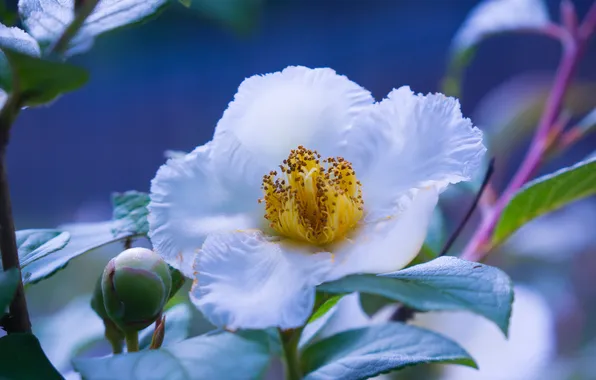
pixel 573 46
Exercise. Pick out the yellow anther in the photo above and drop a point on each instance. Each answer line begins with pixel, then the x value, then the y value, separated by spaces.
pixel 310 202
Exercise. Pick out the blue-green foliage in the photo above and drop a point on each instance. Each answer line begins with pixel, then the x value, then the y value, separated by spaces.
pixel 446 283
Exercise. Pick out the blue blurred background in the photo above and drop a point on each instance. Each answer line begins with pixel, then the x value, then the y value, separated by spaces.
pixel 164 85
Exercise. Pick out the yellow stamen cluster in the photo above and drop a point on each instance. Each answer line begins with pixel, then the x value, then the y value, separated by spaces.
pixel 313 200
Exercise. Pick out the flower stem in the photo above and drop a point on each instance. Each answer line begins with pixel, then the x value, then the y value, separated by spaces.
pixel 113 335
pixel 290 339
pixel 19 321
pixel 573 47
pixel 132 341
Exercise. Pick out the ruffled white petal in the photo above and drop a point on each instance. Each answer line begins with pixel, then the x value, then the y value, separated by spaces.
pixel 274 113
pixel 414 141
pixel 246 280
pixel 495 16
pixel 389 244
pixel 188 202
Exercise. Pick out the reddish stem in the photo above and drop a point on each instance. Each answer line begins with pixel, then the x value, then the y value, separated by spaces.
pixel 573 47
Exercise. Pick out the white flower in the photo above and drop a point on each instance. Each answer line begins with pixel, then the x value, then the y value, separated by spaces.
pixel 366 210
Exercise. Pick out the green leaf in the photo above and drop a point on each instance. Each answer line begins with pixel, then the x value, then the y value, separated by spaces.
pixel 223 355
pixel 241 15
pixel 46 20
pixel 325 307
pixel 370 351
pixel 446 283
pixel 84 237
pixel 486 19
pixel 36 244
pixel 7 15
pixel 546 194
pixel 177 327
pixel 42 81
pixel 8 285
pixel 21 358
pixel 60 340
pixel 130 210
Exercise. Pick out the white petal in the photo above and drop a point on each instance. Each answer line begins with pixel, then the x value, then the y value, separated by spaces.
pixel 495 16
pixel 274 113
pixel 187 203
pixel 419 141
pixel 390 244
pixel 245 280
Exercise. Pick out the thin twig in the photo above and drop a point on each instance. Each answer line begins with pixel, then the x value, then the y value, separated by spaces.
pixel 128 243
pixel 18 320
pixel 403 313
pixel 573 47
pixel 487 176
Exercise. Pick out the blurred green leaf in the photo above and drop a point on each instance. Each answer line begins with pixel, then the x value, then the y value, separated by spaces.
pixel 130 210
pixel 217 356
pixel 42 81
pixel 35 244
pixel 84 237
pixel 46 20
pixel 367 352
pixel 446 283
pixel 177 326
pixel 8 16
pixel 241 15
pixel 488 18
pixel 8 285
pixel 21 358
pixel 60 340
pixel 546 194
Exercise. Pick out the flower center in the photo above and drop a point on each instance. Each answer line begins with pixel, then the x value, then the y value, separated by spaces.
pixel 313 200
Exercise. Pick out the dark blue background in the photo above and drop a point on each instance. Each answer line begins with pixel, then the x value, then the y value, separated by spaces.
pixel 164 85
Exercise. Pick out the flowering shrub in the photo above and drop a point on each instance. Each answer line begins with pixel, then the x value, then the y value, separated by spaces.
pixel 310 195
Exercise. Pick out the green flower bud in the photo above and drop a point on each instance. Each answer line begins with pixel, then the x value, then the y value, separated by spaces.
pixel 97 300
pixel 136 285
